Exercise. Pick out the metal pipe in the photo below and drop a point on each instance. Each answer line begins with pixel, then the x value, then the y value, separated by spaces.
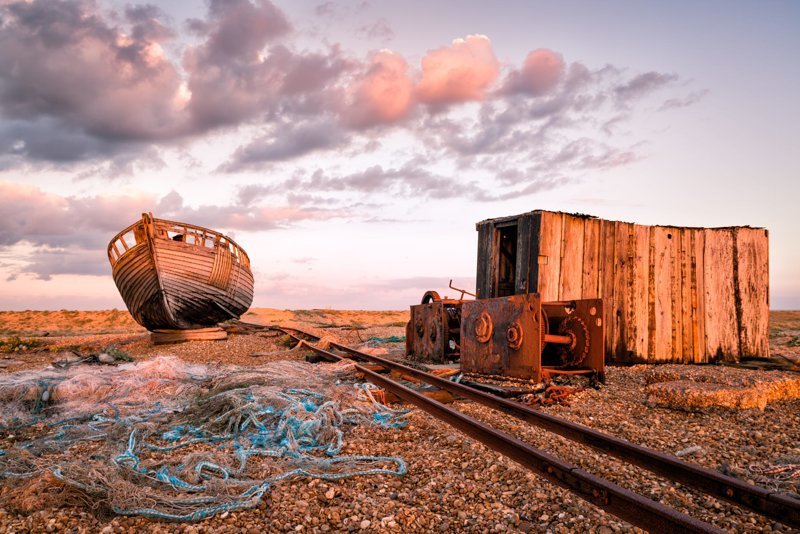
pixel 557 339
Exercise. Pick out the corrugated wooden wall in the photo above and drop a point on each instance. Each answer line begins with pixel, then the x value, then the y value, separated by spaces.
pixel 670 294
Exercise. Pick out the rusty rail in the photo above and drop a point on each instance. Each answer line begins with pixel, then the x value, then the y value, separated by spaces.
pixel 623 503
pixel 778 506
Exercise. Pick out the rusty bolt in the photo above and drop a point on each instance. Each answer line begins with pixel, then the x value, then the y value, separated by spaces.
pixel 484 327
pixel 514 335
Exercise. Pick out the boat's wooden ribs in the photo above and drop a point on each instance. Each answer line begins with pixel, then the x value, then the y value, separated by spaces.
pixel 221 270
pixel 175 275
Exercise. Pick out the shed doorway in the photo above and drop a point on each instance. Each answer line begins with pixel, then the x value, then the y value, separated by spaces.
pixel 505 260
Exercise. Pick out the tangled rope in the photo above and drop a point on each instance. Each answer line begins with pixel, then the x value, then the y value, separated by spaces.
pixel 205 442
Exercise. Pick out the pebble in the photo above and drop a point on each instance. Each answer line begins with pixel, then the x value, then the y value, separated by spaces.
pixel 457 482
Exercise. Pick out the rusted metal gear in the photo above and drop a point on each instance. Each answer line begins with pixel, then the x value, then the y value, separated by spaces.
pixel 484 327
pixel 514 335
pixel 574 353
pixel 430 296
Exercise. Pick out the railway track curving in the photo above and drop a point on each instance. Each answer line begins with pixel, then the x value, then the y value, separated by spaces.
pixel 612 498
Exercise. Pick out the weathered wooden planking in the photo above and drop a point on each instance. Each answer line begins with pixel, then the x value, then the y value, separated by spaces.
pixel 607 255
pixel 638 335
pixel 571 264
pixel 550 256
pixel 622 290
pixel 180 275
pixel 671 293
pixel 687 340
pixel 722 338
pixel 662 282
pixel 484 273
pixel 752 254
pixel 698 296
pixel 590 285
pixel 674 237
pixel 523 275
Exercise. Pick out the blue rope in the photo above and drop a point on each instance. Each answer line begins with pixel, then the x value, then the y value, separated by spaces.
pixel 309 423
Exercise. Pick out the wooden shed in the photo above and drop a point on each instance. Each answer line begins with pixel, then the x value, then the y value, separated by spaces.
pixel 671 294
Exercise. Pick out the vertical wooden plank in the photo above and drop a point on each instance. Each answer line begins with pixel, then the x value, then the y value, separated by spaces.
pixel 651 294
pixel 674 237
pixel 687 328
pixel 533 259
pixel 640 273
pixel 623 259
pixel 722 339
pixel 522 269
pixel 753 272
pixel 662 281
pixel 483 279
pixel 607 284
pixel 697 309
pixel 571 272
pixel 550 256
pixel 590 285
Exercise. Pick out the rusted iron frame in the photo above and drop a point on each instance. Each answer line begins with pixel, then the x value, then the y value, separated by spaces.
pixel 779 506
pixel 623 503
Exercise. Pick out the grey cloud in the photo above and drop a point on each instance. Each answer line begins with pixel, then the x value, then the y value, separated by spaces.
pixel 379 29
pixel 686 101
pixel 69 235
pixel 285 142
pixel 59 60
pixel 47 262
pixel 642 84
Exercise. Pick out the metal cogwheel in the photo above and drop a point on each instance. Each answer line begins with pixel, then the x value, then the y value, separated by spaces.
pixel 576 352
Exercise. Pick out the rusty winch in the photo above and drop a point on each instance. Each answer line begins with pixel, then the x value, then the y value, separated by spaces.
pixel 516 336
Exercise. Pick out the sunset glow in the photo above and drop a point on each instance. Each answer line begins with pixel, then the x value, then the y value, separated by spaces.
pixel 351 147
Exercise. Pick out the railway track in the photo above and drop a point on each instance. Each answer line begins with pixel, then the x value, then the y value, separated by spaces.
pixel 634 508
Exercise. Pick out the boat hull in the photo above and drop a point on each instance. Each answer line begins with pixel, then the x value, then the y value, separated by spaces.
pixel 179 285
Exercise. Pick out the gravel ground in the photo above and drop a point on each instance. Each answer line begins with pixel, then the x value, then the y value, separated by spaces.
pixel 454 483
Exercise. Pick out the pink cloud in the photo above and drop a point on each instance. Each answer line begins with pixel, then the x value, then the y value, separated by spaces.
pixel 458 73
pixel 384 94
pixel 540 73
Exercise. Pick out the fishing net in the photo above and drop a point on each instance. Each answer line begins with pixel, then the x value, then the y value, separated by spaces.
pixel 172 440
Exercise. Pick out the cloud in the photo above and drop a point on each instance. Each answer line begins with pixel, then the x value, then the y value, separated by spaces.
pixel 459 73
pixel 234 78
pixel 379 29
pixel 540 73
pixel 67 234
pixel 383 94
pixel 61 62
pixel 103 95
pixel 642 85
pixel 682 102
pixel 285 142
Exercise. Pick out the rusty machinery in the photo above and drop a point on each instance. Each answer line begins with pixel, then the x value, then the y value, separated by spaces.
pixel 520 336
pixel 516 336
pixel 434 332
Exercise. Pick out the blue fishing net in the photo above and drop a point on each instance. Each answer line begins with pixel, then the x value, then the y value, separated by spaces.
pixel 182 442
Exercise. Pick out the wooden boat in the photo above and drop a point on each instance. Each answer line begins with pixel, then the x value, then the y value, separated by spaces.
pixel 178 276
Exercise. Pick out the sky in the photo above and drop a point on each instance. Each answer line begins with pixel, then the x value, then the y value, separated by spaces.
pixel 350 147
